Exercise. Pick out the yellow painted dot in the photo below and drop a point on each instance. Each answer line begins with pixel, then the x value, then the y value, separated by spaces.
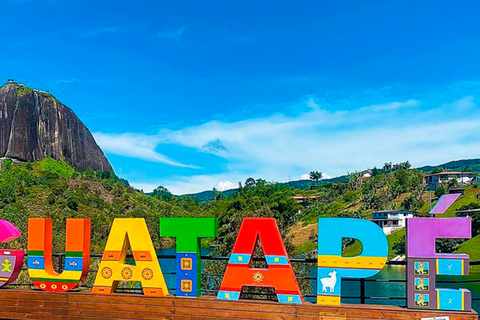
pixel 227 295
pixel 290 299
pixel 240 258
pixel 276 259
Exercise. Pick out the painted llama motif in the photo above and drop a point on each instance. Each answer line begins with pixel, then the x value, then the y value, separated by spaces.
pixel 329 282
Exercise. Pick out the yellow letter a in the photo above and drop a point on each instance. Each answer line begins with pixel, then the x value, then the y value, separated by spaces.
pixel 112 269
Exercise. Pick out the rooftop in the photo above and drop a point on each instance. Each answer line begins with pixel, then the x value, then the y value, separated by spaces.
pixel 449 173
pixel 394 211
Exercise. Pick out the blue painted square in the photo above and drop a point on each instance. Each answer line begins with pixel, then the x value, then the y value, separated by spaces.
pixel 187 256
pixel 36 262
pixel 450 299
pixel 449 267
pixel 73 264
pixel 276 260
pixel 239 258
pixel 228 295
pixel 289 298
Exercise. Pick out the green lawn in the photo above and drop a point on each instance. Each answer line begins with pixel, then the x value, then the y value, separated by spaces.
pixel 472 248
pixel 392 239
pixel 356 248
pixel 353 250
pixel 463 200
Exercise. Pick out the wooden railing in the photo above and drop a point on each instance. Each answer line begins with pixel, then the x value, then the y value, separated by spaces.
pixel 362 297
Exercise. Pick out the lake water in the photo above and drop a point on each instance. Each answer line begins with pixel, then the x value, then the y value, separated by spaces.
pixel 352 288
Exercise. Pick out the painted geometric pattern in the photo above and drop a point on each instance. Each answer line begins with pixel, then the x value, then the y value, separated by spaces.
pixel 11 262
pixel 64 281
pixel 279 274
pixel 188 276
pixel 421 289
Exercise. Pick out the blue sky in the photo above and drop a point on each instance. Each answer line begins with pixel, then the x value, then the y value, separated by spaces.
pixel 193 95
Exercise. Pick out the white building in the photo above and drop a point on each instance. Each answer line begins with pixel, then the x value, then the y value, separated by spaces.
pixel 391 220
pixel 434 180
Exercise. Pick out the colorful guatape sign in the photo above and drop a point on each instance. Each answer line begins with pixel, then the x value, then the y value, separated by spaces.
pixel 423 263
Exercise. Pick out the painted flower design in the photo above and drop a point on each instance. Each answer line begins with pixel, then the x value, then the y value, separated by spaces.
pixel 258 277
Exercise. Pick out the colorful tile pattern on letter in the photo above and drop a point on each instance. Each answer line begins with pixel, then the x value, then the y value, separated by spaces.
pixel 188 233
pixel 279 274
pixel 131 232
pixel 332 266
pixel 424 264
pixel 77 255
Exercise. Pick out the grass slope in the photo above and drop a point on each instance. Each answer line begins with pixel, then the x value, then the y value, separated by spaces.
pixel 457 165
pixel 393 239
pixel 472 247
pixel 356 248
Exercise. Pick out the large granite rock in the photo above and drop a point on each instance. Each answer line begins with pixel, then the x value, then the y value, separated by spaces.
pixel 34 125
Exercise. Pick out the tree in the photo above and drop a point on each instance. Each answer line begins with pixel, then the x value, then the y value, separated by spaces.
pixel 441 190
pixel 453 183
pixel 162 193
pixel 437 170
pixel 387 167
pixel 354 180
pixel 250 183
pixel 316 176
pixel 399 247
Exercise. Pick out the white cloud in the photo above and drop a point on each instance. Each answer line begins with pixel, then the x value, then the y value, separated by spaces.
pixel 279 147
pixel 192 184
pixel 305 176
pixel 226 185
pixel 146 187
pixel 138 146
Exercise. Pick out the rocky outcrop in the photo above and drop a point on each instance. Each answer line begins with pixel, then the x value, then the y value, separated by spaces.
pixel 35 125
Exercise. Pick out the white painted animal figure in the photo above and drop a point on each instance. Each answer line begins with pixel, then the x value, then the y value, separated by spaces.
pixel 329 282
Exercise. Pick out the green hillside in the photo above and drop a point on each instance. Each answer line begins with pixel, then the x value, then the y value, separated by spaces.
pixel 298 184
pixel 457 165
pixel 472 247
pixel 55 190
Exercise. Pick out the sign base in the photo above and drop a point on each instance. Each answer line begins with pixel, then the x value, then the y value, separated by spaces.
pixel 30 304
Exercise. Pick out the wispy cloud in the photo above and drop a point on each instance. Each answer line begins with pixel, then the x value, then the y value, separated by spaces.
pixel 65 81
pixel 283 147
pixel 173 33
pixel 135 146
pixel 98 32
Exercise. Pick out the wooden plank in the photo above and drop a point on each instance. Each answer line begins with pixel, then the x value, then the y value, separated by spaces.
pixel 310 312
pixel 30 304
pixel 241 305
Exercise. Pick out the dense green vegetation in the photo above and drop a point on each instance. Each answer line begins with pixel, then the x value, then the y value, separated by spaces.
pixel 54 189
pixel 393 187
pixel 458 165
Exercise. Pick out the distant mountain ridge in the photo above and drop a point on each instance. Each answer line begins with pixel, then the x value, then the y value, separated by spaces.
pixel 35 125
pixel 297 184
pixel 456 165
